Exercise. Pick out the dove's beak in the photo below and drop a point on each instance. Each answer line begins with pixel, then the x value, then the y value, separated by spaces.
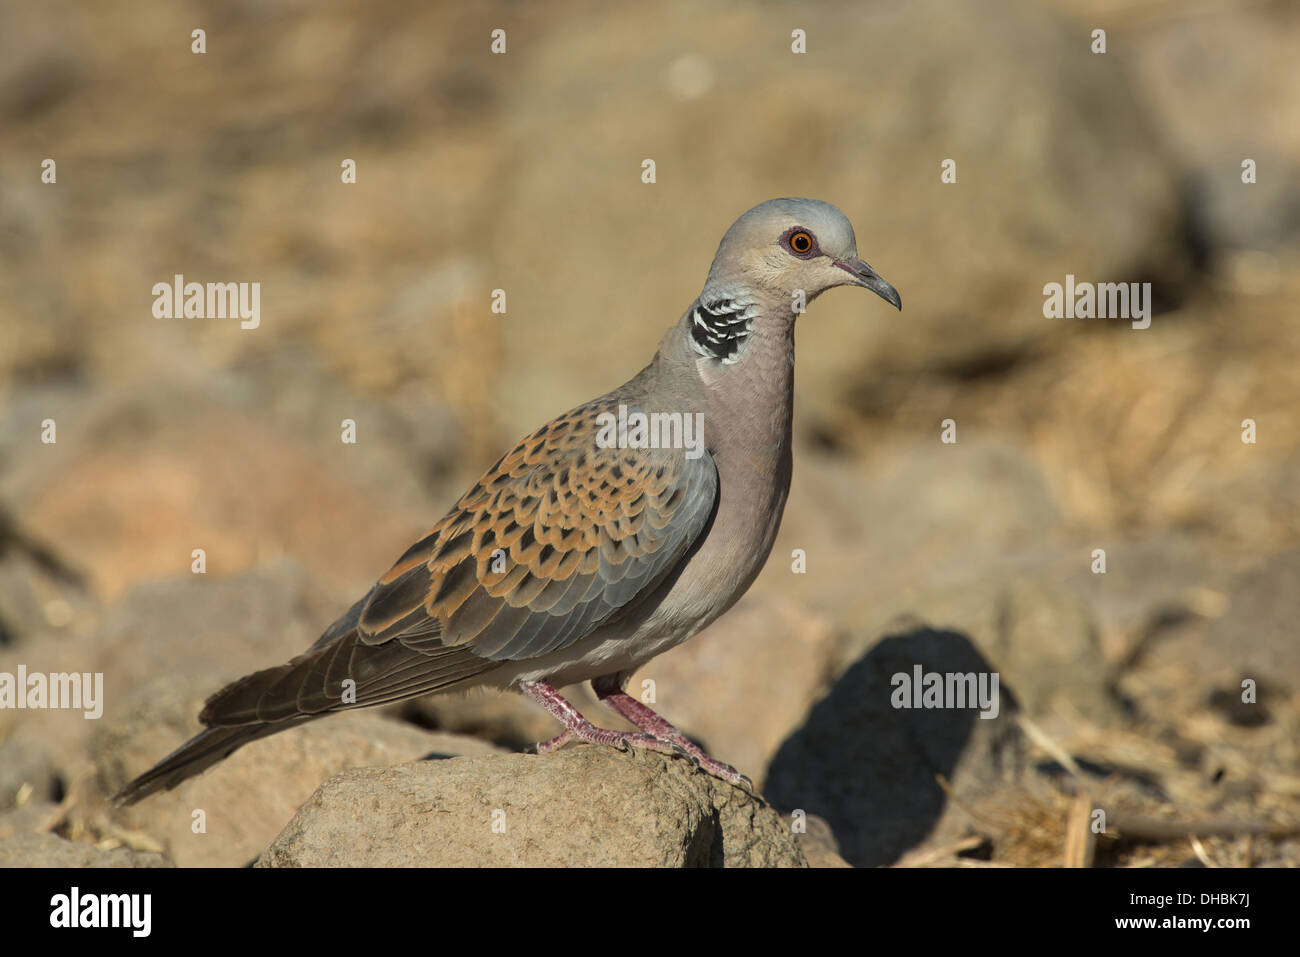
pixel 863 275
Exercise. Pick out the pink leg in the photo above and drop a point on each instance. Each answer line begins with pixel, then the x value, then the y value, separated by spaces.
pixel 578 728
pixel 647 720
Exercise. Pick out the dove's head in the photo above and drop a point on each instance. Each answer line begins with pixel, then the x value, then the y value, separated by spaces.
pixel 786 245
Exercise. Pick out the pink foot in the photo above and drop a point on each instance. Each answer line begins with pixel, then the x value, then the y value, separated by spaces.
pixel 578 728
pixel 652 723
pixel 660 736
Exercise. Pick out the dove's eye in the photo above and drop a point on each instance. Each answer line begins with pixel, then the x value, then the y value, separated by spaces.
pixel 801 242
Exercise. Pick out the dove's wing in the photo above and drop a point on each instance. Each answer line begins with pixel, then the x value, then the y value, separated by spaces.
pixel 552 542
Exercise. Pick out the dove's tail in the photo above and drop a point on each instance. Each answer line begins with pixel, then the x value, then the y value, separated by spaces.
pixel 307 687
pixel 197 754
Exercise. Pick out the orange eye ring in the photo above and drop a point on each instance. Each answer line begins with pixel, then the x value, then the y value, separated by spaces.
pixel 801 242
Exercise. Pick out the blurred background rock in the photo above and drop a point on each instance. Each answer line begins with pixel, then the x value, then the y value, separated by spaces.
pixel 522 172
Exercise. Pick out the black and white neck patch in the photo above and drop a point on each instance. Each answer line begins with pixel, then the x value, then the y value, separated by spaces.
pixel 720 326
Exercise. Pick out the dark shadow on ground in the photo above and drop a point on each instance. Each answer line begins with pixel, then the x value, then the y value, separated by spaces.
pixel 870 769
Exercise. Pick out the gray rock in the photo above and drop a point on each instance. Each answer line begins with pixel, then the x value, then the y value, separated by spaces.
pixel 819 845
pixel 584 806
pixel 1256 636
pixel 50 850
pixel 167 453
pixel 1194 660
pixel 25 760
pixel 1206 117
pixel 29 818
pixel 924 516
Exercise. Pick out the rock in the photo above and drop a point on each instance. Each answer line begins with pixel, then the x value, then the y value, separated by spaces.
pixel 221 628
pixel 1202 114
pixel 250 795
pixel 584 806
pixel 28 818
pixel 1256 635
pixel 819 845
pixel 37 597
pixel 1194 657
pixel 1151 582
pixel 50 850
pixel 29 758
pixel 189 468
pixel 923 516
pixel 871 770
